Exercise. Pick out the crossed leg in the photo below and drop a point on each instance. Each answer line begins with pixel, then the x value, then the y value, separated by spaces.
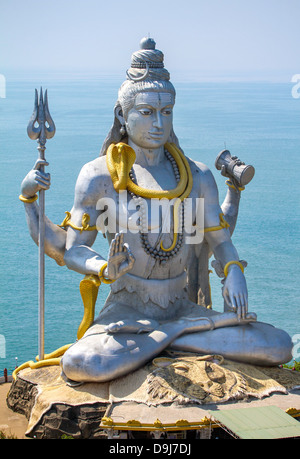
pixel 113 349
pixel 255 343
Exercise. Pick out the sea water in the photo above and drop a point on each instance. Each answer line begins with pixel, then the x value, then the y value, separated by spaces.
pixel 258 122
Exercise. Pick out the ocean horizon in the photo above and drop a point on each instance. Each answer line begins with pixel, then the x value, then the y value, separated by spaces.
pixel 258 121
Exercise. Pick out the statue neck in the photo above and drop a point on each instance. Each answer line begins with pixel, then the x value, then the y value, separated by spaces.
pixel 146 157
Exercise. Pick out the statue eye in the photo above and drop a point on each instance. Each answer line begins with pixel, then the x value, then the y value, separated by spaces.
pixel 146 111
pixel 167 111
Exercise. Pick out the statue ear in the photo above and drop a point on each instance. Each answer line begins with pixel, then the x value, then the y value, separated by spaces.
pixel 119 114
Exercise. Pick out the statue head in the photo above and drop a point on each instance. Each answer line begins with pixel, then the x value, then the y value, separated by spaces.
pixel 147 74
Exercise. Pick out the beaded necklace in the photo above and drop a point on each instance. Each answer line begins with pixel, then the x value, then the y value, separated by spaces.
pixel 155 252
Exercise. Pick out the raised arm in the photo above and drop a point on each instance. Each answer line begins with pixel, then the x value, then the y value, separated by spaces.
pixel 55 237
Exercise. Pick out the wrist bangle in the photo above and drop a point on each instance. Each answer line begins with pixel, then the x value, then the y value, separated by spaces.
pixel 232 263
pixel 103 279
pixel 23 199
pixel 236 188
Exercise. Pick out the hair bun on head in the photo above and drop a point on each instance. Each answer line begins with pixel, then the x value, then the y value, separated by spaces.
pixel 147 43
pixel 147 63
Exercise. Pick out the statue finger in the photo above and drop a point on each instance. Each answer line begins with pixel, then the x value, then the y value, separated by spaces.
pixel 112 248
pixel 244 304
pixel 126 248
pixel 43 185
pixel 118 248
pixel 227 299
pixel 121 242
pixel 42 179
pixel 251 316
pixel 131 258
pixel 234 305
pixel 39 163
pixel 43 174
pixel 240 308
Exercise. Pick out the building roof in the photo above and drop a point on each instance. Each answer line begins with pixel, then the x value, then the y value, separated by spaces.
pixel 266 422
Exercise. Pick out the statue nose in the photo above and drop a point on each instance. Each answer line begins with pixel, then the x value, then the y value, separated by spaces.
pixel 158 121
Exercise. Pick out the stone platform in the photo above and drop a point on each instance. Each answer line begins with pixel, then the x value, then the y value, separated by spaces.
pixel 171 393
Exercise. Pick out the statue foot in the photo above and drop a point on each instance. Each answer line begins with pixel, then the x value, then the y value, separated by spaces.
pixel 132 326
pixel 225 319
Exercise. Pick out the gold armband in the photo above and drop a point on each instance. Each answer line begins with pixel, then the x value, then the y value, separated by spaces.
pixel 28 200
pixel 103 279
pixel 223 224
pixel 85 223
pixel 232 263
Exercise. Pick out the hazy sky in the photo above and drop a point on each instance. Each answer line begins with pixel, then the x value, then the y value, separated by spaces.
pixel 259 38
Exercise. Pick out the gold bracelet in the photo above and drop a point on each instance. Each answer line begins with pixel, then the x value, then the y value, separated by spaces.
pixel 232 263
pixel 28 200
pixel 231 185
pixel 103 279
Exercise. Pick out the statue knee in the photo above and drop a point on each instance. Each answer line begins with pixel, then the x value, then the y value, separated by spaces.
pixel 283 349
pixel 278 348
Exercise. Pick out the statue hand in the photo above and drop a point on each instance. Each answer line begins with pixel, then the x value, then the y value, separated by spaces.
pixel 35 180
pixel 120 259
pixel 235 292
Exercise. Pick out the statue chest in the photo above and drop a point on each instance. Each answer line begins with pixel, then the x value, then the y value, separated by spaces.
pixel 125 213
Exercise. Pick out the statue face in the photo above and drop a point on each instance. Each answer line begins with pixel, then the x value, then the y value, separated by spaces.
pixel 149 122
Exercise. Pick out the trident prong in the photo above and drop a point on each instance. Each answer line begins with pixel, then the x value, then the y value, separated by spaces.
pixel 41 116
pixel 44 130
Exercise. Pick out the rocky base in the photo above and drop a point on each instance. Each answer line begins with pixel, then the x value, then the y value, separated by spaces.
pixel 79 422
pixel 21 397
pixel 154 397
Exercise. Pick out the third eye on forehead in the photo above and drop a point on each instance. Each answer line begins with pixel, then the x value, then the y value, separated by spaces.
pixel 155 99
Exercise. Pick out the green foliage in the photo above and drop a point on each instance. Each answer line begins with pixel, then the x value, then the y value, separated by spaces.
pixel 295 366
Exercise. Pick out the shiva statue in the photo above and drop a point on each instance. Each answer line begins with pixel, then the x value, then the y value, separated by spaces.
pixel 156 259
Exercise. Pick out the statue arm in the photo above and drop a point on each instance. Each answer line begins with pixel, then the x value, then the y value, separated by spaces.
pixel 220 243
pixel 65 247
pixel 55 237
pixel 230 207
pixel 79 255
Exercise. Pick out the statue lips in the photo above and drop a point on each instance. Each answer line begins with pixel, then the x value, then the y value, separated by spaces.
pixel 156 134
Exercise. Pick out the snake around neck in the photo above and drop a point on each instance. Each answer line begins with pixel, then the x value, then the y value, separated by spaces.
pixel 120 159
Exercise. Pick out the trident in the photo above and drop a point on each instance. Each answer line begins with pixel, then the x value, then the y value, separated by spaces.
pixel 41 127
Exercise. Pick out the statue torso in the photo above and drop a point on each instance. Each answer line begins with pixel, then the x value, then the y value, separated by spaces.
pixel 121 214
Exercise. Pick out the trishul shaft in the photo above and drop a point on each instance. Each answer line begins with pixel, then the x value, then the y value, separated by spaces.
pixel 41 127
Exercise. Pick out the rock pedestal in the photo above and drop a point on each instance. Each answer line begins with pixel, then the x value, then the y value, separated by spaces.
pixel 169 394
